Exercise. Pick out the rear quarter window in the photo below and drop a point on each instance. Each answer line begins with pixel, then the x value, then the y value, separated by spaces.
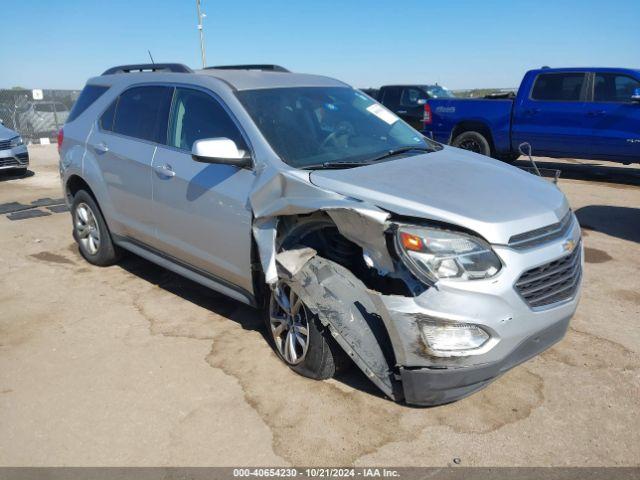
pixel 106 120
pixel 89 94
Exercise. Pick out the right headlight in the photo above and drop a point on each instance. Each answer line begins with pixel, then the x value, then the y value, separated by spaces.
pixel 432 254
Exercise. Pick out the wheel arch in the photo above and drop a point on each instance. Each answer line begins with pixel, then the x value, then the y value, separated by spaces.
pixel 74 184
pixel 335 288
pixel 474 126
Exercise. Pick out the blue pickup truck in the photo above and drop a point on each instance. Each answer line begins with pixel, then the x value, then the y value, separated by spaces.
pixel 591 113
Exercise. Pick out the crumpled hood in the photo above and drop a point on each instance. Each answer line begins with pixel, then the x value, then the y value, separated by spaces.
pixel 487 196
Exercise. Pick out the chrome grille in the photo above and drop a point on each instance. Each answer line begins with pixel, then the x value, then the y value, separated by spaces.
pixel 5 144
pixel 542 235
pixel 553 282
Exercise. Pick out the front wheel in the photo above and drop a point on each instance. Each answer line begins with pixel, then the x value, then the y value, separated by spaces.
pixel 474 142
pixel 298 337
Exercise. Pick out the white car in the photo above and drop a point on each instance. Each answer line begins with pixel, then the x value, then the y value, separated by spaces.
pixel 13 151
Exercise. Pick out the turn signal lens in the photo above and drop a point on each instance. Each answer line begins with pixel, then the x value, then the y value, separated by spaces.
pixel 411 242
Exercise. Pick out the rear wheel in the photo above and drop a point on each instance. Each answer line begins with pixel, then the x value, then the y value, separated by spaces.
pixel 474 142
pixel 298 337
pixel 91 231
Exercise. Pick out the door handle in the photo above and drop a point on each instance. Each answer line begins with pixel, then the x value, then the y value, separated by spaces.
pixel 401 111
pixel 101 147
pixel 532 111
pixel 165 171
pixel 599 113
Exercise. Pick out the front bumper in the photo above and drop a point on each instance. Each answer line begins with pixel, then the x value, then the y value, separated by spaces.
pixel 429 387
pixel 518 331
pixel 17 157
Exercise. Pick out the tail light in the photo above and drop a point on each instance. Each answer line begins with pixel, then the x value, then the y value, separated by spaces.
pixel 426 116
pixel 60 139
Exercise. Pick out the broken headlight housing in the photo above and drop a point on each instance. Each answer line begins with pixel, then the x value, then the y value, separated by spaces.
pixel 433 254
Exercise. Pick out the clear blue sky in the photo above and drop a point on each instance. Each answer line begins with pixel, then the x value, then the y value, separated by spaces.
pixel 458 43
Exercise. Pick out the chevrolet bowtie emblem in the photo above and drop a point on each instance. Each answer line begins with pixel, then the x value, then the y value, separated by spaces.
pixel 568 246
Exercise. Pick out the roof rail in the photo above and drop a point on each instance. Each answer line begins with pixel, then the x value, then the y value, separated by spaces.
pixel 149 67
pixel 265 67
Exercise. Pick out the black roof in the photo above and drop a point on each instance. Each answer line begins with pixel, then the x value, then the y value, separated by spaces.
pixel 258 66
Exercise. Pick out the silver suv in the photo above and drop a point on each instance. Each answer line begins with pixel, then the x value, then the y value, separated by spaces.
pixel 433 269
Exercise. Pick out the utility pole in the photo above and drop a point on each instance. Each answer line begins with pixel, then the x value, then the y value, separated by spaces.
pixel 202 47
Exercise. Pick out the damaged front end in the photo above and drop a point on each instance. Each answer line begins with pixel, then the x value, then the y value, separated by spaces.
pixel 398 303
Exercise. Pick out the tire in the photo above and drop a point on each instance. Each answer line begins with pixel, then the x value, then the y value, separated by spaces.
pixel 322 357
pixel 90 231
pixel 474 142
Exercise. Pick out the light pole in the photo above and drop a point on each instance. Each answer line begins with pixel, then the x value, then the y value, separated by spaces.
pixel 202 47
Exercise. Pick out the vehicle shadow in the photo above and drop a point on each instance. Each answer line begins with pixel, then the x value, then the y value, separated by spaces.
pixel 620 222
pixel 589 170
pixel 7 175
pixel 247 317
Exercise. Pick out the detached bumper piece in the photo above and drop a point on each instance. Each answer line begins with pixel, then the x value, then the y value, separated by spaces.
pixel 432 386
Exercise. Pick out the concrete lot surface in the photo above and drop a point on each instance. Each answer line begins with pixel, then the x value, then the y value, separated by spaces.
pixel 132 365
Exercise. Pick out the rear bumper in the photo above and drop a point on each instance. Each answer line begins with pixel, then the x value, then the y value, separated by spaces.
pixel 431 386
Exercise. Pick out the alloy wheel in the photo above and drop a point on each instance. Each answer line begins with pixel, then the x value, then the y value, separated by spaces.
pixel 289 322
pixel 87 228
pixel 471 145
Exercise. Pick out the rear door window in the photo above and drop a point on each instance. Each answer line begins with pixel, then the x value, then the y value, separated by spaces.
pixel 89 94
pixel 142 112
pixel 614 87
pixel 559 87
pixel 197 115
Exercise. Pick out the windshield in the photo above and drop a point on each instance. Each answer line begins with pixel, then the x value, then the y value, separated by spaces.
pixel 436 91
pixel 320 126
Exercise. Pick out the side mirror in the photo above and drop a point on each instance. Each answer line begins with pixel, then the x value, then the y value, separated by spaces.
pixel 635 96
pixel 219 150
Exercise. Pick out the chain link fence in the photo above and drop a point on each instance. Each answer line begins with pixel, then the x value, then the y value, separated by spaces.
pixel 36 114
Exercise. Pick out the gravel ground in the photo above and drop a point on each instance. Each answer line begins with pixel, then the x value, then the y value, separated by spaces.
pixel 131 365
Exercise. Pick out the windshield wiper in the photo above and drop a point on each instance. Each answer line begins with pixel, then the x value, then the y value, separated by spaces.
pixel 349 164
pixel 399 151
pixel 334 165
